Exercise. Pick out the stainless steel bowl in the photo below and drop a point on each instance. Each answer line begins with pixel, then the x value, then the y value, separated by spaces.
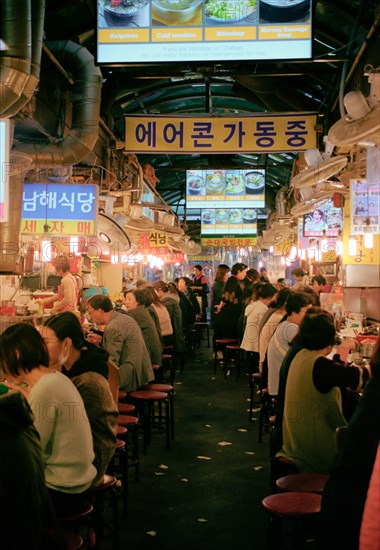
pixel 126 9
pixel 172 16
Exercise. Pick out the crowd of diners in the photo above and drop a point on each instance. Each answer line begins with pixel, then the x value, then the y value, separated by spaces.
pixel 58 417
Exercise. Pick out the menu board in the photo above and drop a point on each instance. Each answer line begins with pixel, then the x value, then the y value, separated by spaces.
pixel 225 188
pixel 365 207
pixel 229 221
pixel 145 31
pixel 324 221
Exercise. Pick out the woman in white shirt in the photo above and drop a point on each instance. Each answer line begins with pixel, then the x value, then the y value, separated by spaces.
pixel 262 296
pixel 296 306
pixel 270 326
pixel 59 416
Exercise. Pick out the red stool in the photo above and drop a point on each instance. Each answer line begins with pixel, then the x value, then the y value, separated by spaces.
pixel 145 400
pixel 169 389
pixel 120 457
pixel 126 408
pixel 122 394
pixel 306 483
pixel 130 422
pixel 220 345
pixel 298 507
pixel 255 381
pixel 158 374
pixel 199 326
pixel 168 364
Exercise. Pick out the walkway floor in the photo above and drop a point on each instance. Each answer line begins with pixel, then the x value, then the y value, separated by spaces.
pixel 206 491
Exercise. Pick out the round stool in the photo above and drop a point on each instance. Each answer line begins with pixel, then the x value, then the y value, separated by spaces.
pixel 122 394
pixel 126 408
pixel 158 375
pixel 169 389
pixel 220 345
pixel 145 400
pixel 307 483
pixel 168 364
pixel 130 423
pixel 294 506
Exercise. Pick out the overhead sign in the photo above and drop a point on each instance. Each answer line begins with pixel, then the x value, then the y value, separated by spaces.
pixel 259 133
pixel 4 168
pixel 229 241
pixel 65 209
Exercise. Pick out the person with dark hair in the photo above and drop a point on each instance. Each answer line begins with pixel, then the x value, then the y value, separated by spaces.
pixel 299 276
pixel 252 277
pixel 134 304
pixel 86 366
pixel 264 293
pixel 313 400
pixel 170 299
pixel 124 342
pixel 228 311
pixel 189 304
pixel 296 305
pixel 66 298
pixel 24 502
pixel 59 416
pixel 345 492
pixel 141 284
pixel 160 315
pixel 276 312
pixel 312 293
pixel 200 288
pixel 320 284
pixel 264 275
pixel 221 276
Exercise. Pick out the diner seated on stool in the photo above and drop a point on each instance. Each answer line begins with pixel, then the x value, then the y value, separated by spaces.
pixel 313 400
pixel 345 492
pixel 123 340
pixel 296 306
pixel 86 366
pixel 59 416
pixel 25 509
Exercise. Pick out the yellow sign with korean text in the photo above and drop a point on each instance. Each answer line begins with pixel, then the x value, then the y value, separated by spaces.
pixel 362 255
pixel 229 241
pixel 259 133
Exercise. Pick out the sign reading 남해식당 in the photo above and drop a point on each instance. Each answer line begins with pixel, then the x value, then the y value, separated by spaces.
pixel 259 133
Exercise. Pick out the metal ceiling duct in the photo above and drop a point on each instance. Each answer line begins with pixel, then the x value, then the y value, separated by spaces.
pixel 23 35
pixel 86 97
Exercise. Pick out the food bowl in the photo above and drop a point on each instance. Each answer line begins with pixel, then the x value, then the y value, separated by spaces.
pixel 235 216
pixel 222 215
pixel 234 183
pixel 254 182
pixel 249 215
pixel 176 11
pixel 195 185
pixel 215 183
pixel 123 9
pixel 208 216
pixel 229 11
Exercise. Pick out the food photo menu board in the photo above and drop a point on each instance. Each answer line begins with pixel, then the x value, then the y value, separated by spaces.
pixel 225 188
pixel 148 31
pixel 365 207
pixel 229 221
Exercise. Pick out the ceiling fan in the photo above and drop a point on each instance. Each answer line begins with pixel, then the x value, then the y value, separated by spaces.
pixel 184 244
pixel 361 124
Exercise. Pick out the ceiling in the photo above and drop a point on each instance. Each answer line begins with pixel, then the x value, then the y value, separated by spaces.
pixel 346 38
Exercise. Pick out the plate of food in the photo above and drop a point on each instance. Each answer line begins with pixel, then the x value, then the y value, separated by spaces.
pixel 222 215
pixel 208 216
pixel 215 183
pixel 195 185
pixel 249 215
pixel 124 8
pixel 254 182
pixel 236 216
pixel 229 11
pixel 235 184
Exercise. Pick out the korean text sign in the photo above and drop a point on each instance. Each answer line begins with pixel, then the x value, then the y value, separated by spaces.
pixel 259 133
pixel 68 209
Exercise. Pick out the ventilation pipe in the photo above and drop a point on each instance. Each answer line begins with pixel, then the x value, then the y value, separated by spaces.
pixel 86 96
pixel 15 58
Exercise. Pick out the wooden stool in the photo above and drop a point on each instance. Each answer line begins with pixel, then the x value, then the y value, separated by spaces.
pixel 169 389
pixel 220 345
pixel 295 506
pixel 145 400
pixel 306 483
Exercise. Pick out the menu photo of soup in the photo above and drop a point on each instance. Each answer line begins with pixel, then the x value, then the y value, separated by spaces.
pixel 228 221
